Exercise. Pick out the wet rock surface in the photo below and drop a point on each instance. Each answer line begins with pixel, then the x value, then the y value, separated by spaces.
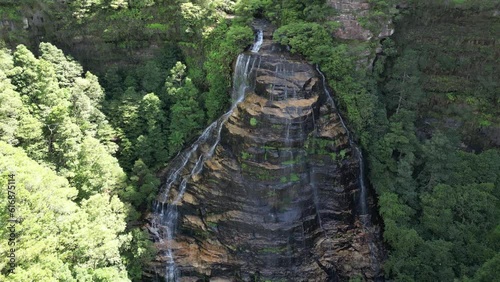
pixel 277 200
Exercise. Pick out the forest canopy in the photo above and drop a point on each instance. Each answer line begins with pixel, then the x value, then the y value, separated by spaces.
pixel 85 135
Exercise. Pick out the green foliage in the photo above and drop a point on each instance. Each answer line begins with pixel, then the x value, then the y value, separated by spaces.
pixel 294 177
pixel 304 37
pixel 60 239
pixel 284 12
pixel 138 252
pixel 254 8
pixel 140 117
pixel 194 18
pixel 150 77
pixel 150 145
pixel 97 171
pixel 66 69
pixel 489 271
pixel 186 115
pixel 447 198
pixel 381 12
pixel 404 87
pixel 64 108
pixel 226 43
pixel 245 155
pixel 439 204
pixel 342 154
pixel 142 189
pixel 55 119
pixel 11 105
pixel 456 4
pixel 439 210
pixel 175 81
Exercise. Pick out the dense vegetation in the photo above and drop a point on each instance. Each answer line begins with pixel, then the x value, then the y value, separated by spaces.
pixel 418 115
pixel 94 151
pixel 436 167
pixel 58 143
pixel 90 144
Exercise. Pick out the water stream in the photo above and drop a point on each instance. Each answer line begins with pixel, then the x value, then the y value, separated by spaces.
pixel 190 162
pixel 165 211
pixel 362 204
pixel 258 43
pixel 363 213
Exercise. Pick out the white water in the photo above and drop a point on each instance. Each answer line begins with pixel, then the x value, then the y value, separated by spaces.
pixel 164 221
pixel 260 38
pixel 364 216
pixel 363 212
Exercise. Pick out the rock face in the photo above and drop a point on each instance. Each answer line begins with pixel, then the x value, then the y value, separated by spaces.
pixel 349 14
pixel 277 200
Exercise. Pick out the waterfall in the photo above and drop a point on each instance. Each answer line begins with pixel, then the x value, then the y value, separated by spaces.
pixel 363 207
pixel 258 43
pixel 165 213
pixel 364 216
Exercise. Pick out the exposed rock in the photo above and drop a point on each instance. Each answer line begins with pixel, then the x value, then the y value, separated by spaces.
pixel 277 201
pixel 350 11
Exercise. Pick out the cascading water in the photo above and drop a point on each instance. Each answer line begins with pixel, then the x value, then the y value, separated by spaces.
pixel 165 210
pixel 267 198
pixel 364 215
pixel 258 43
pixel 363 207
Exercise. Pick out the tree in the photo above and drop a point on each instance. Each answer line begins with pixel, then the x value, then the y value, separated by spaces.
pixel 11 110
pixel 86 98
pixel 304 38
pixel 150 76
pixel 66 69
pixel 138 252
pixel 489 271
pixel 438 161
pixel 194 19
pixel 60 239
pixel 96 172
pixel 150 146
pixel 142 189
pixel 175 80
pixel 186 115
pixel 226 43
pixel 37 82
pixel 404 90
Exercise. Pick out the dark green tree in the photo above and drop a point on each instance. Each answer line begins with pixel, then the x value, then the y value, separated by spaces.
pixel 186 115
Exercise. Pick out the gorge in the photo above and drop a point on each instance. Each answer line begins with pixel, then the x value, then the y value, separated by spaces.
pixel 271 191
pixel 250 140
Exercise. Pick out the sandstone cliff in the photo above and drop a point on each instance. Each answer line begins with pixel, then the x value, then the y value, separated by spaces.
pixel 278 199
